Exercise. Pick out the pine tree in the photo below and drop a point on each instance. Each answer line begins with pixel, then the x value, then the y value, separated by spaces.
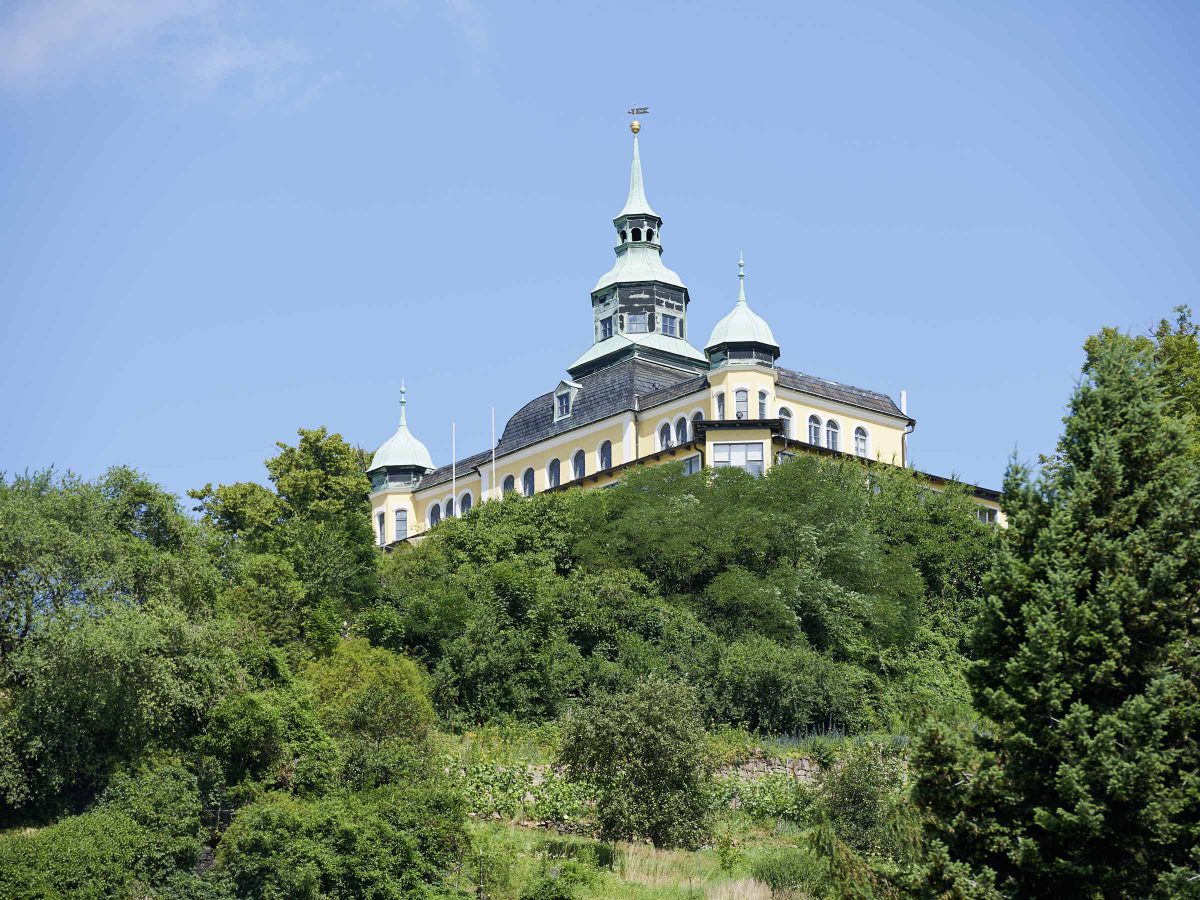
pixel 1082 780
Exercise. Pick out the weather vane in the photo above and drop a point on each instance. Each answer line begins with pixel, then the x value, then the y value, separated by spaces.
pixel 635 126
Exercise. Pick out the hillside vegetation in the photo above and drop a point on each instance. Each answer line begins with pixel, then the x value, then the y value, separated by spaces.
pixel 566 695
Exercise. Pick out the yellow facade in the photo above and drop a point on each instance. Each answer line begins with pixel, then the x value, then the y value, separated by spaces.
pixel 636 436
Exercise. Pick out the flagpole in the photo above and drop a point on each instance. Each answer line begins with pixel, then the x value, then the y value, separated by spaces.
pixel 494 450
pixel 454 467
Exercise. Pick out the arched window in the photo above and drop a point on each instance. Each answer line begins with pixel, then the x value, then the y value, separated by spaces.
pixel 578 463
pixel 696 417
pixel 382 533
pixel 606 455
pixel 741 403
pixel 831 434
pixel 435 514
pixel 527 483
pixel 624 236
pixel 553 473
pixel 720 406
pixel 860 441
pixel 650 234
pixel 664 436
pixel 814 431
pixel 450 508
pixel 786 415
pixel 681 434
pixel 762 404
pixel 464 505
pixel 637 234
pixel 510 484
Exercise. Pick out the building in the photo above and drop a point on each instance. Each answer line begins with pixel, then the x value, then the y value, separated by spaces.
pixel 643 394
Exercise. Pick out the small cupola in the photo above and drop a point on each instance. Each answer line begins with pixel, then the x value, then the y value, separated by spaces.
pixel 402 460
pixel 743 337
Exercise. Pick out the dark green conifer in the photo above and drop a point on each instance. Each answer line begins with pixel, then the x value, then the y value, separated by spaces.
pixel 1083 778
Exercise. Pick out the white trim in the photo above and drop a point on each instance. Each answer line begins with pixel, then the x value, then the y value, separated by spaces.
pixel 531 471
pixel 658 434
pixel 575 476
pixel 791 417
pixel 600 467
pixel 808 430
pixel 458 510
pixel 866 454
pixel 557 459
pixel 687 429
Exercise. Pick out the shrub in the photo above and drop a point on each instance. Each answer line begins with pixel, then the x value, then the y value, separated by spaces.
pixel 645 752
pixel 390 842
pixel 785 872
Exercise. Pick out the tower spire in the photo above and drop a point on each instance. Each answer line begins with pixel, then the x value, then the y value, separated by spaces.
pixel 636 204
pixel 741 280
pixel 403 403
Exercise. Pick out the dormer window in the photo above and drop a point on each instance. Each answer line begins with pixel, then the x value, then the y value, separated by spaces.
pixel 564 399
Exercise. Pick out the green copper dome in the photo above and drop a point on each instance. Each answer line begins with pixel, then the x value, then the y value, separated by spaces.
pixel 742 325
pixel 402 448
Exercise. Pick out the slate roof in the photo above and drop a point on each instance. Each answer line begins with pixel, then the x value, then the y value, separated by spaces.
pixel 441 475
pixel 613 390
pixel 601 394
pixel 843 393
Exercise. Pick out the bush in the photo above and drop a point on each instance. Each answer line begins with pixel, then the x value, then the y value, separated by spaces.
pixel 785 872
pixel 390 842
pixel 376 704
pixel 142 834
pixel 645 753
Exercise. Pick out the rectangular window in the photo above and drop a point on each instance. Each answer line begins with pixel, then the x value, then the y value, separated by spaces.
pixel 762 404
pixel 401 524
pixel 986 515
pixel 382 533
pixel 720 406
pixel 691 465
pixel 564 405
pixel 636 323
pixel 739 456
pixel 741 402
pixel 606 328
pixel 670 325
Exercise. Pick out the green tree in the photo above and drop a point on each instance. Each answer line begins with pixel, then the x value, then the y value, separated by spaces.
pixel 314 530
pixel 66 542
pixel 645 752
pixel 1082 779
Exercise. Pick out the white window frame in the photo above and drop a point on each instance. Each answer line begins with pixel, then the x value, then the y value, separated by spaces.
pixel 814 419
pixel 861 431
pixel 745 448
pixel 833 434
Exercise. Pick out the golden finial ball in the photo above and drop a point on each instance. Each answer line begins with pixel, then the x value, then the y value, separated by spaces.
pixel 635 126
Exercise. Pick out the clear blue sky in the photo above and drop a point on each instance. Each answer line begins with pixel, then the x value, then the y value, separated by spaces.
pixel 221 221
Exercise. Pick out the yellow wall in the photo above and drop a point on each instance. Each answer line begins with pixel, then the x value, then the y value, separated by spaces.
pixel 885 435
pixel 638 440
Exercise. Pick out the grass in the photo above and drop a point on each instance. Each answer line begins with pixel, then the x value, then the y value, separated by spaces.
pixel 516 857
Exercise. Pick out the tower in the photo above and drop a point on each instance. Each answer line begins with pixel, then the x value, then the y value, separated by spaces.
pixel 639 306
